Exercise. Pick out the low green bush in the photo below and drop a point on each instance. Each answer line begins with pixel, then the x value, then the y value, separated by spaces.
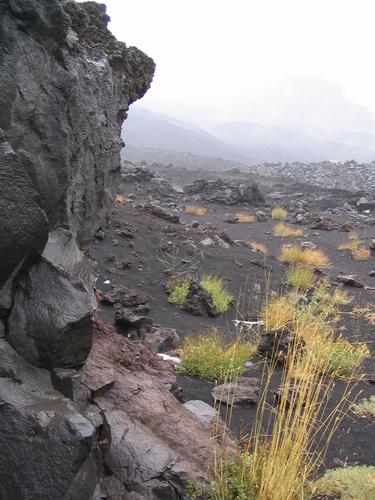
pixel 215 287
pixel 347 483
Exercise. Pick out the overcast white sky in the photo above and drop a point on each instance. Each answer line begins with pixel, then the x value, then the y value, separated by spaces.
pixel 218 59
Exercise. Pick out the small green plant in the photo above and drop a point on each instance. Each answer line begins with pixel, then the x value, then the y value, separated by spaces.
pixel 301 278
pixel 179 292
pixel 207 356
pixel 347 483
pixel 340 356
pixel 279 213
pixel 365 407
pixel 215 287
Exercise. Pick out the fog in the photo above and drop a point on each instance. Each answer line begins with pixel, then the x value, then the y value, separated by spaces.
pixel 301 65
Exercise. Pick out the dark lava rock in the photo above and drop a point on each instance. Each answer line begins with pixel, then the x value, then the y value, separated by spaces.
pixel 162 339
pixel 241 391
pixel 131 324
pixel 50 321
pixel 350 280
pixel 328 224
pixel 162 213
pixel 198 301
pixel 75 82
pixel 227 193
pixel 276 343
pixel 136 173
pixel 23 223
pixel 125 297
pixel 47 446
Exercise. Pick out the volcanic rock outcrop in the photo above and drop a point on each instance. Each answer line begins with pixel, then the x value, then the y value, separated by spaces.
pixel 69 425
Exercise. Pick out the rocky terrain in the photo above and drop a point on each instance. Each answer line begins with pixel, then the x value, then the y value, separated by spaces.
pixel 92 404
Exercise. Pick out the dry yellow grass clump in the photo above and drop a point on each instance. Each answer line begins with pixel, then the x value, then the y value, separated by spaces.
pixel 282 230
pixel 294 254
pixel 245 217
pixel 258 247
pixel 361 253
pixel 195 210
pixel 279 213
pixel 278 312
pixel 119 198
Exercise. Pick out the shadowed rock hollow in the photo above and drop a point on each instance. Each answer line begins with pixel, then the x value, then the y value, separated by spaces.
pixel 65 87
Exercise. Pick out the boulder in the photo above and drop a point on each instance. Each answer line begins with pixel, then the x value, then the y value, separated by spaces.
pixel 225 192
pixel 50 321
pixel 125 297
pixel 241 391
pixel 276 343
pixel 198 301
pixel 48 447
pixel 350 280
pixel 162 213
pixel 131 324
pixel 162 339
pixel 154 444
pixel 203 411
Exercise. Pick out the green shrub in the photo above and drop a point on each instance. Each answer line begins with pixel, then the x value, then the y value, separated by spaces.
pixel 179 292
pixel 215 287
pixel 347 483
pixel 301 278
pixel 365 407
pixel 340 356
pixel 207 356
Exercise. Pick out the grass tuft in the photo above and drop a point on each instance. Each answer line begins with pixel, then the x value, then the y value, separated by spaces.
pixel 347 483
pixel 258 247
pixel 279 312
pixel 179 292
pixel 282 230
pixel 195 210
pixel 293 254
pixel 207 356
pixel 361 253
pixel 245 217
pixel 279 213
pixel 365 407
pixel 215 287
pixel 300 278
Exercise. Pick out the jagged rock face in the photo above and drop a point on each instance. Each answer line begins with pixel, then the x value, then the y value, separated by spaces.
pixel 63 116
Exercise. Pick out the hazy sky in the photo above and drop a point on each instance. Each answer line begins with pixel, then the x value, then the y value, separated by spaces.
pixel 221 59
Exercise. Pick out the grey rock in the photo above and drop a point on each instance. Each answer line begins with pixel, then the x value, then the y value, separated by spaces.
pixel 203 411
pixel 350 280
pixel 162 213
pixel 227 193
pixel 241 391
pixel 50 322
pixel 2 329
pixel 221 243
pixel 207 242
pixel 132 324
pixel 42 435
pixel 162 339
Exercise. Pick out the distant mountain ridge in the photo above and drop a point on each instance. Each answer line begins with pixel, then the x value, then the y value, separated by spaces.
pixel 172 140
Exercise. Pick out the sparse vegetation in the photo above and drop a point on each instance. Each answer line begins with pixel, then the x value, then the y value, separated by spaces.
pixel 282 230
pixel 293 254
pixel 365 407
pixel 361 253
pixel 195 210
pixel 209 357
pixel 347 483
pixel 300 278
pixel 258 247
pixel 245 217
pixel 279 311
pixel 179 292
pixel 221 298
pixel 279 213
